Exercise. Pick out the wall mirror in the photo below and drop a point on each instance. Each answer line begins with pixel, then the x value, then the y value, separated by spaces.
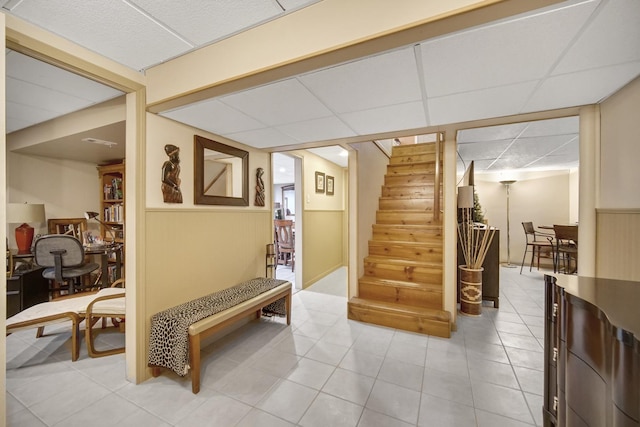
pixel 221 174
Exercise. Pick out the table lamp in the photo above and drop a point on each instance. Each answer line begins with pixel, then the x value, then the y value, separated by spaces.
pixel 24 212
pixel 96 216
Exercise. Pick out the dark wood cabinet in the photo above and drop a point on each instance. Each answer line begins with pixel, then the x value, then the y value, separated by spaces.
pixel 25 289
pixel 592 352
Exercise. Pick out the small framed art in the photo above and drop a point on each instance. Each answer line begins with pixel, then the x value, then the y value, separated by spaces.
pixel 329 183
pixel 320 182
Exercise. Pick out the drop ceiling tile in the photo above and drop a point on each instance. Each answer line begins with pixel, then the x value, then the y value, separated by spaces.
pixel 47 99
pixel 296 4
pixel 478 165
pixel 287 101
pixel 262 138
pixel 536 146
pixel 504 164
pixel 491 133
pixel 583 88
pixel 612 38
pixel 215 117
pixel 483 150
pixel 201 21
pixel 554 163
pixel 518 50
pixel 114 29
pixel 561 126
pixel 386 119
pixel 317 129
pixel 28 69
pixel 377 81
pixel 20 116
pixel 570 150
pixel 481 104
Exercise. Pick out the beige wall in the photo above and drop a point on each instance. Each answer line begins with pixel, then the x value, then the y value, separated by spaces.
pixel 66 188
pixel 323 238
pixel 618 213
pixel 620 149
pixel 162 131
pixel 543 198
pixel 372 167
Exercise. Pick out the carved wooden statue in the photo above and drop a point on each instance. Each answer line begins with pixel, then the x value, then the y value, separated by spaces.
pixel 259 187
pixel 171 175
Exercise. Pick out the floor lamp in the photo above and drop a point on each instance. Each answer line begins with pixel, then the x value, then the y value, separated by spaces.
pixel 507 184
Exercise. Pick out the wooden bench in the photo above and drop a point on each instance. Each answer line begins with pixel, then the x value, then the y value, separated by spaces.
pixel 219 321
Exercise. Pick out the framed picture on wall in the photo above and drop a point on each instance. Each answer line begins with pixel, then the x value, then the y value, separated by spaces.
pixel 329 185
pixel 319 182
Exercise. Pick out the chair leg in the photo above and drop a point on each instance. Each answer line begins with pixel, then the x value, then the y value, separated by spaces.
pixel 533 255
pixel 524 256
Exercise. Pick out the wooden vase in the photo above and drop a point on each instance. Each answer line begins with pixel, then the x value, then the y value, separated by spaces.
pixel 471 290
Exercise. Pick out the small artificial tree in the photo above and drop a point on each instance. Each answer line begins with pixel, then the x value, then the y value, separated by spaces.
pixel 477 215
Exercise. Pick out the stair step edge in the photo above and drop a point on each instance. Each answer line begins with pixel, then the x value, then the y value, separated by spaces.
pixel 431 313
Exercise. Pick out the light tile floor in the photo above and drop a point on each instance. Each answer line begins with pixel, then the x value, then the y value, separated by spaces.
pixel 323 370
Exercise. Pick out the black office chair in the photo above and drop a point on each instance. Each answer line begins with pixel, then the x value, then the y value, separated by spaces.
pixel 64 261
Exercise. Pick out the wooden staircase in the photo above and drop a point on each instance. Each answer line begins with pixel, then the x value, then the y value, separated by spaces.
pixel 402 283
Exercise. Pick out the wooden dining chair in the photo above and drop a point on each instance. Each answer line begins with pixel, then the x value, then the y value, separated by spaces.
pixel 566 248
pixel 284 242
pixel 537 242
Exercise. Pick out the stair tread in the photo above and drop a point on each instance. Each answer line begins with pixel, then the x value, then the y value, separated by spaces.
pixel 401 284
pixel 405 242
pixel 379 259
pixel 410 226
pixel 431 313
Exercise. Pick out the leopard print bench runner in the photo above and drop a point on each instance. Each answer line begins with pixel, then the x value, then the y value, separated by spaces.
pixel 169 340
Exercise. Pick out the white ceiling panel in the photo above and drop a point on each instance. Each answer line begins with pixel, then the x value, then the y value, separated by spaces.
pixel 201 21
pixel 201 115
pixel 387 119
pixel 59 104
pixel 501 54
pixel 317 130
pixel 564 126
pixel 572 53
pixel 480 104
pixel 607 39
pixel 37 73
pixel 263 138
pixel 587 87
pixel 491 133
pixel 570 149
pixel 286 101
pixel 536 146
pixel 554 162
pixel 378 81
pixel 293 4
pixel 112 28
pixel 483 150
pixel 333 153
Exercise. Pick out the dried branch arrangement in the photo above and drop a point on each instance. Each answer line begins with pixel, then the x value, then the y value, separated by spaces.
pixel 474 241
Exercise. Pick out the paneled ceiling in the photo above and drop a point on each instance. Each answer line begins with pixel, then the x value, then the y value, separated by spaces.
pixel 573 53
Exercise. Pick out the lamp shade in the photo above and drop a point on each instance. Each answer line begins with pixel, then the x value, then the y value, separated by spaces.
pixel 465 196
pixel 25 212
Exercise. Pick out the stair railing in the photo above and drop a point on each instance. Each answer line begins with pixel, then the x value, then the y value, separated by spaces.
pixel 436 181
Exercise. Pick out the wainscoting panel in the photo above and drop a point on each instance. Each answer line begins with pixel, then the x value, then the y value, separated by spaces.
pixel 618 244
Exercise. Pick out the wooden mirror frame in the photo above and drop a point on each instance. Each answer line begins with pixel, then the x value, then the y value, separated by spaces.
pixel 200 144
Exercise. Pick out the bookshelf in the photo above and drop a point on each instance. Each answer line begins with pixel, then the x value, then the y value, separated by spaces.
pixel 112 188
